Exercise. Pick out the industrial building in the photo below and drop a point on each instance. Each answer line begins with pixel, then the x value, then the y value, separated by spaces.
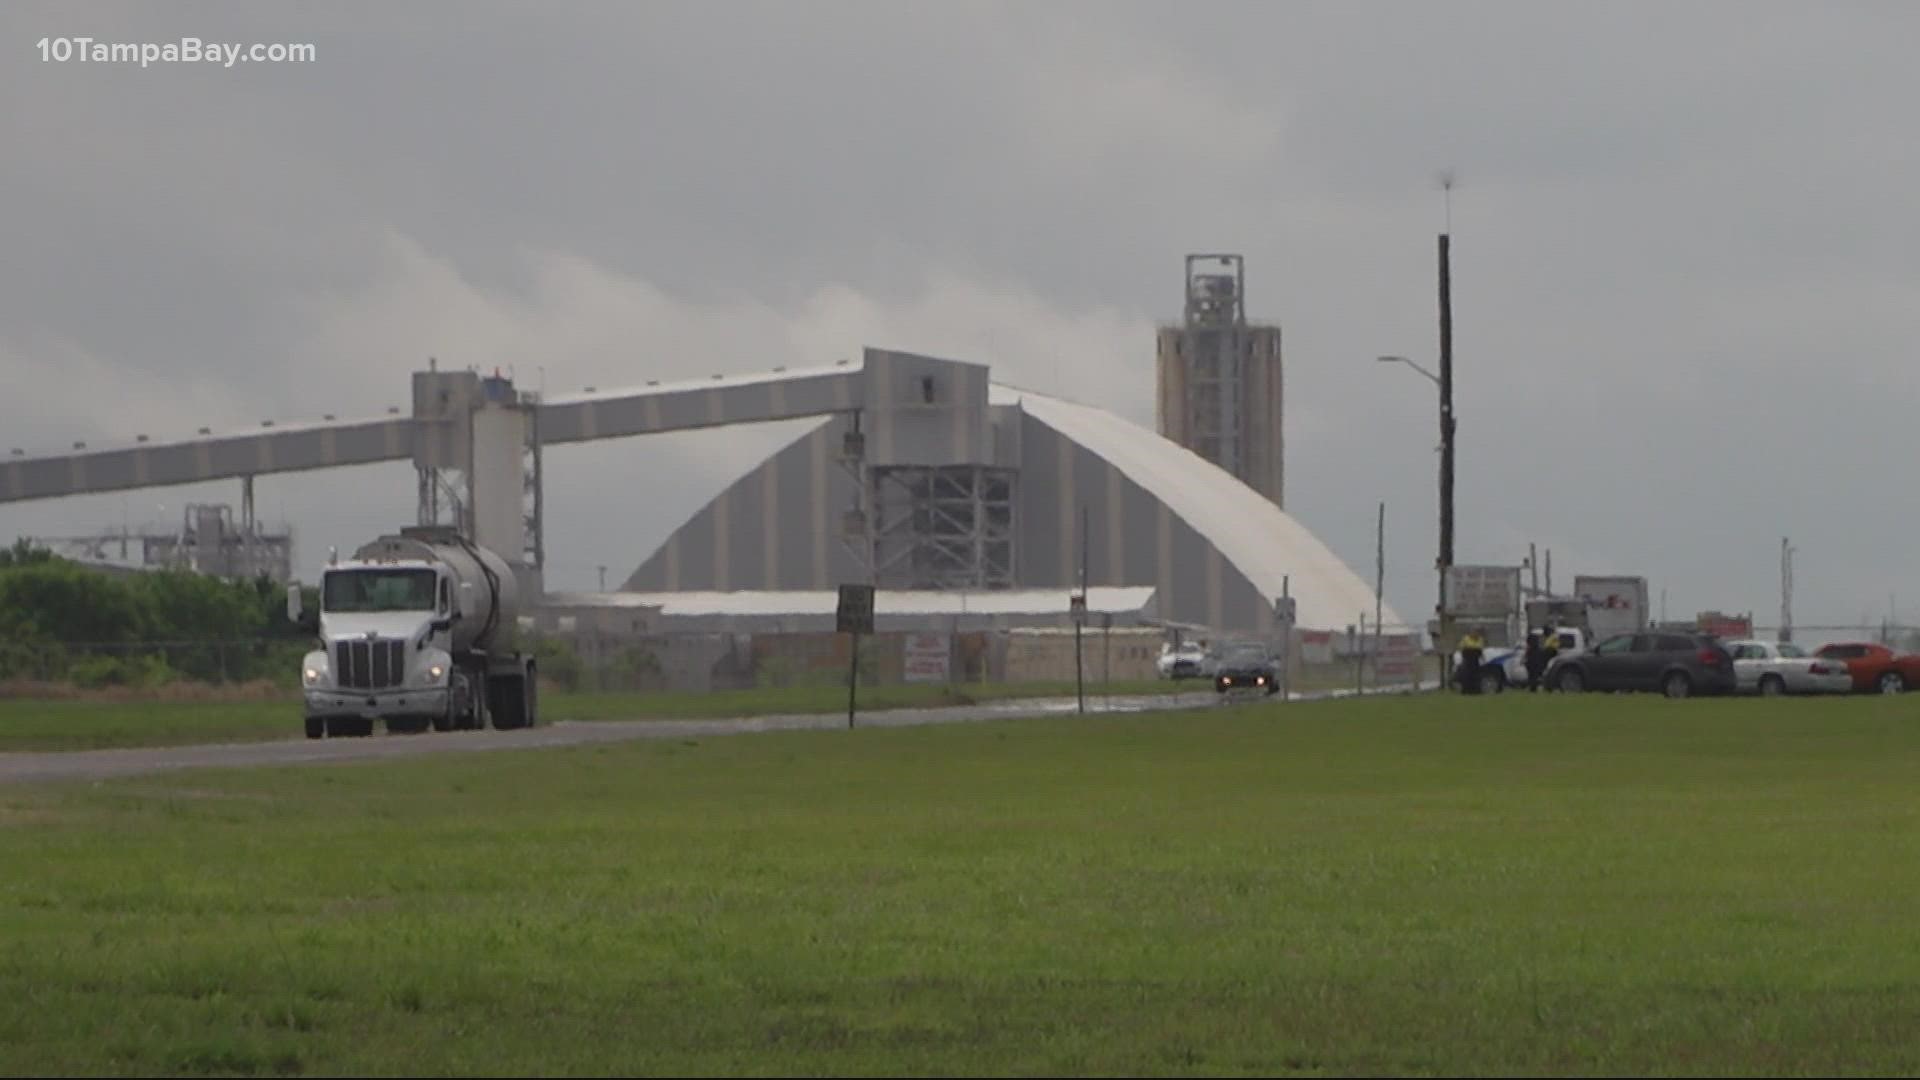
pixel 952 482
pixel 922 476
pixel 209 541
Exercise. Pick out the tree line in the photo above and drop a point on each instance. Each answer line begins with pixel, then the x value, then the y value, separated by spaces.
pixel 64 622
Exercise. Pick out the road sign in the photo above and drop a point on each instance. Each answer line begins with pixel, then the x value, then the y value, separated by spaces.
pixel 1285 611
pixel 1483 591
pixel 856 609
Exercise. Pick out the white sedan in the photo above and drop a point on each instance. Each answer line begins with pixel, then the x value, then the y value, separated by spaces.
pixel 1185 661
pixel 1772 668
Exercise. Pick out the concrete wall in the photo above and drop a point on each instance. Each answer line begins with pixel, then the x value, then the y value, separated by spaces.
pixel 1262 399
pixel 1048 655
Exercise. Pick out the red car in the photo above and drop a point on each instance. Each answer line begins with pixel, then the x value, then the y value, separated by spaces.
pixel 1875 668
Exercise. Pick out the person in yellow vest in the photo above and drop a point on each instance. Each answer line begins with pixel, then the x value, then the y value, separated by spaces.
pixel 1472 648
pixel 1550 644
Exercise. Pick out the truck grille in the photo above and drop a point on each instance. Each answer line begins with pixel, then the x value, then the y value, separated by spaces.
pixel 370 665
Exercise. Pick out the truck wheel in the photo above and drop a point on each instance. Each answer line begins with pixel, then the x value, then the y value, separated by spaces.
pixel 316 727
pixel 507 701
pixel 467 701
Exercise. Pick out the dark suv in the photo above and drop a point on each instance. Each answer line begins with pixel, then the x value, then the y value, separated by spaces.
pixel 1677 664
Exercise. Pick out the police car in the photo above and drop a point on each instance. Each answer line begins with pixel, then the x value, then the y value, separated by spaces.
pixel 1507 666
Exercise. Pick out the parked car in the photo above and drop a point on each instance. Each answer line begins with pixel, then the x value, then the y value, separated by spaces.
pixel 1675 664
pixel 1247 667
pixel 1874 667
pixel 1507 666
pixel 1771 669
pixel 1187 660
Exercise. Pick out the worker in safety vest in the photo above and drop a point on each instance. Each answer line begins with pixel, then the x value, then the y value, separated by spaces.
pixel 1472 648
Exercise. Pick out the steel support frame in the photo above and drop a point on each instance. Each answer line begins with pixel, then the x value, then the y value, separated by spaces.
pixel 535 553
pixel 1214 346
pixel 856 530
pixel 943 527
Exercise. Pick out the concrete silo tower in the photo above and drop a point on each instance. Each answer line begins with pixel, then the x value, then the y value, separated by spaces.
pixel 1220 391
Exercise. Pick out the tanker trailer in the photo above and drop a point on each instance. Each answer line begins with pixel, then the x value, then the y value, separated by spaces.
pixel 417 629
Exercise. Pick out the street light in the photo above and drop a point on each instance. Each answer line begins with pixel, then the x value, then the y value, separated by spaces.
pixel 1445 558
pixel 1435 379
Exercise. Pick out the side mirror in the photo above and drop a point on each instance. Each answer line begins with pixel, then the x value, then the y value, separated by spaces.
pixel 293 603
pixel 443 624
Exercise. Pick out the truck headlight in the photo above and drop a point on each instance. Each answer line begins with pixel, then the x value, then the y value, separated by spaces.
pixel 313 676
pixel 435 671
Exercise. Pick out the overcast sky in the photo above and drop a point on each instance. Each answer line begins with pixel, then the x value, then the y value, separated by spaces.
pixel 1686 292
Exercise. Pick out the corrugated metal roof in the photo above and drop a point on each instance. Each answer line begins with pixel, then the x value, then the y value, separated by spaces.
pixel 1262 541
pixel 1117 600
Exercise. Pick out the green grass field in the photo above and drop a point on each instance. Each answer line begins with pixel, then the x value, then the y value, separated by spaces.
pixel 1514 885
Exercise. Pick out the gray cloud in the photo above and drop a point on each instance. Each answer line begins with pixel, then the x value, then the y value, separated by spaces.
pixel 1683 276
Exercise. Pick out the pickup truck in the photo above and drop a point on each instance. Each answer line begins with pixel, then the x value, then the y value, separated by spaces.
pixel 1507 667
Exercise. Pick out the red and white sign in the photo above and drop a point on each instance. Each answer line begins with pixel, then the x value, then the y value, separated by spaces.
pixel 926 657
pixel 1398 655
pixel 1316 646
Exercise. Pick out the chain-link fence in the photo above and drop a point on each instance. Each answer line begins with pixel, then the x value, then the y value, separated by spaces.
pixel 1363 657
pixel 90 665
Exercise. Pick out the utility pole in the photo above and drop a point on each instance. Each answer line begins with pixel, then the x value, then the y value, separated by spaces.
pixel 1786 590
pixel 603 579
pixel 1379 586
pixel 1079 664
pixel 1533 568
pixel 1446 431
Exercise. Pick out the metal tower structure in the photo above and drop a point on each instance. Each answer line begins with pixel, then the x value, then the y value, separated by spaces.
pixel 927 526
pixel 208 541
pixel 1216 322
pixel 478 461
pixel 1220 386
pixel 856 522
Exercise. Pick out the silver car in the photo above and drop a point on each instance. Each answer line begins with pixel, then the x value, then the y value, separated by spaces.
pixel 1771 668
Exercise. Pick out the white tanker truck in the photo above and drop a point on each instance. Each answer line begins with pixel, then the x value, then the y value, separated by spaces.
pixel 418 629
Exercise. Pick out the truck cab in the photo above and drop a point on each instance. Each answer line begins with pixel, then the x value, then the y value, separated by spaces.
pixel 418 629
pixel 384 632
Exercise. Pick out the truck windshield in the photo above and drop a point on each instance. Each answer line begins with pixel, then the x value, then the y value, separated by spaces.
pixel 378 590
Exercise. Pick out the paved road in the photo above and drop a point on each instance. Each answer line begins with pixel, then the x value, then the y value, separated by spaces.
pixel 102 764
